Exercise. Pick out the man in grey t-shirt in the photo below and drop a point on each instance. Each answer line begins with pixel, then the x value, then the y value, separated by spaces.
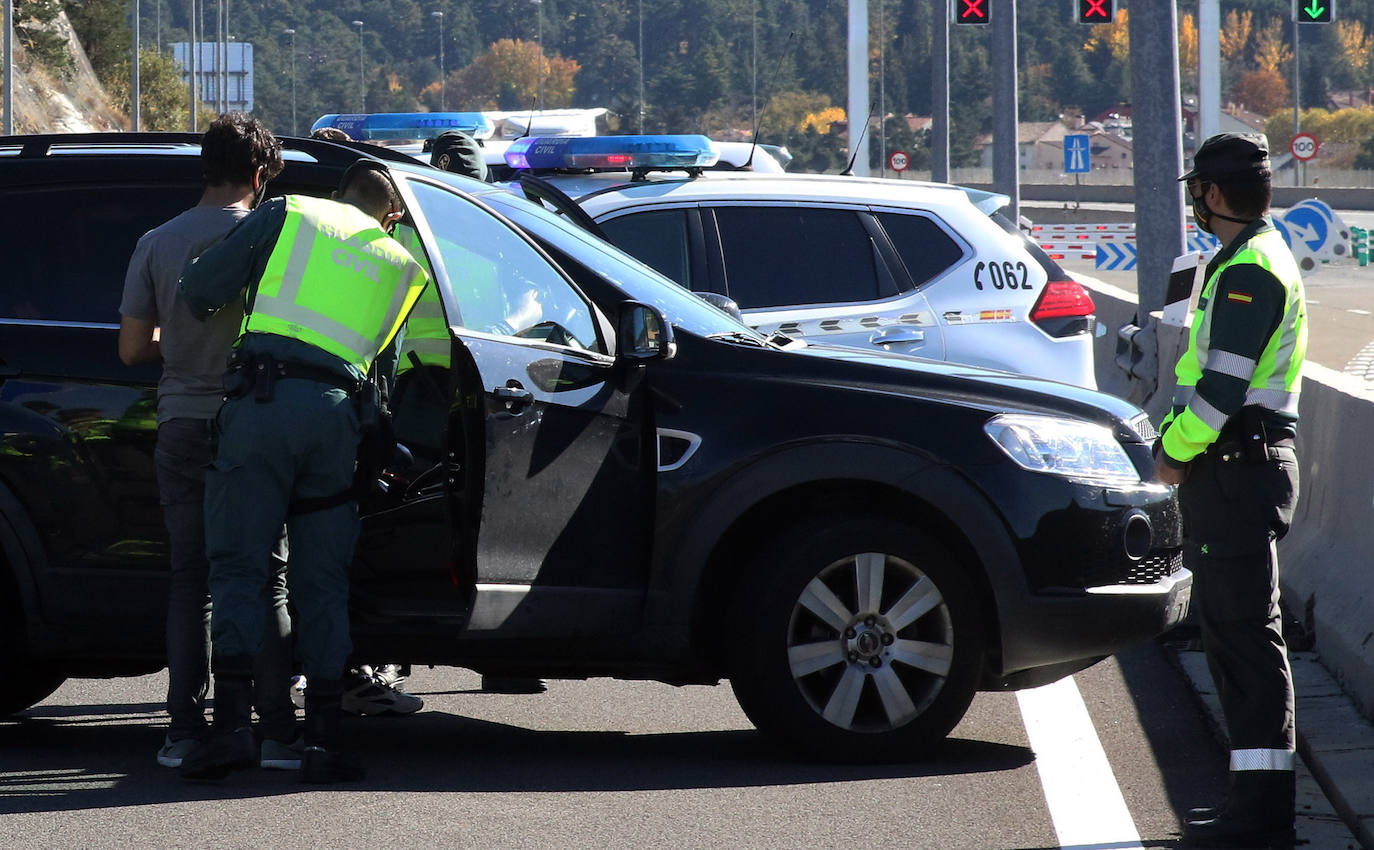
pixel 240 156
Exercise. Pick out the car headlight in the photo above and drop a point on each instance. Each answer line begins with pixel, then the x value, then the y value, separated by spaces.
pixel 1070 448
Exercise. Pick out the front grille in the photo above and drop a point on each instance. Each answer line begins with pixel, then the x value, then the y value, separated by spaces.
pixel 1147 570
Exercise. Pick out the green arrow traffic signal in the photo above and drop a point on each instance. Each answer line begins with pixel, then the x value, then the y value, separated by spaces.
pixel 1315 11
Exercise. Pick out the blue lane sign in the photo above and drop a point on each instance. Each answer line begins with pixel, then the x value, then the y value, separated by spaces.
pixel 1077 157
pixel 1116 256
pixel 1309 225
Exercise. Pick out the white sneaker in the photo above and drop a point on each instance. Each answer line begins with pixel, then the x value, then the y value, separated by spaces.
pixel 298 691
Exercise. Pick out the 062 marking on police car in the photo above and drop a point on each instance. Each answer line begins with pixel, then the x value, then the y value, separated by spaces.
pixel 1003 275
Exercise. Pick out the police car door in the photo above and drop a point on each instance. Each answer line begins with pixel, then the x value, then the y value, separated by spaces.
pixel 552 494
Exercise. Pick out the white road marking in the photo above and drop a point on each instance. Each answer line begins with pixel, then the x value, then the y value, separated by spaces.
pixel 1356 311
pixel 1084 799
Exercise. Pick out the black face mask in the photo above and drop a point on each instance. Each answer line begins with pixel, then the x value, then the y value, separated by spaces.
pixel 1204 214
pixel 261 192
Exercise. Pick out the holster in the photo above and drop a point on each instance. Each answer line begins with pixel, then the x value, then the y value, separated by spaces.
pixel 258 374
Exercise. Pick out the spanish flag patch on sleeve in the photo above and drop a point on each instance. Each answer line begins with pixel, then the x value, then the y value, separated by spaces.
pixel 1242 297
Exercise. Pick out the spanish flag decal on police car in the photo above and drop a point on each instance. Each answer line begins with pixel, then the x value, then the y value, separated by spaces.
pixel 1242 297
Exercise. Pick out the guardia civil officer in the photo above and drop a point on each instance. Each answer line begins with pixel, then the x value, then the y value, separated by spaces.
pixel 1228 445
pixel 325 290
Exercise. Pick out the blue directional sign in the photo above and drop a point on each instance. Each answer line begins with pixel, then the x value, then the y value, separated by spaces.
pixel 1077 157
pixel 1115 256
pixel 1309 225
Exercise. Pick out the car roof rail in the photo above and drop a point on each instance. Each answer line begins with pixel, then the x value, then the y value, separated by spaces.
pixel 341 154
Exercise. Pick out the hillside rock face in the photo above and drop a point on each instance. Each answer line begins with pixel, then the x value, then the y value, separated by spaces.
pixel 44 102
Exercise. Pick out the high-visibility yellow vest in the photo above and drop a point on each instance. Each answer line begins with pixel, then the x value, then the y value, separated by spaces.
pixel 427 329
pixel 1276 379
pixel 335 280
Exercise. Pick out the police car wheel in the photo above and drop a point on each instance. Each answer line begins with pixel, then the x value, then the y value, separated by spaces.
pixel 859 639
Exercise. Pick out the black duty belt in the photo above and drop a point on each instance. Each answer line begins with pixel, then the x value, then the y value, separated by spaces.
pixel 258 373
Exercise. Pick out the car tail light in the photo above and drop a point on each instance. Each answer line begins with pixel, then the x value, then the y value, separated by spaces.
pixel 1063 309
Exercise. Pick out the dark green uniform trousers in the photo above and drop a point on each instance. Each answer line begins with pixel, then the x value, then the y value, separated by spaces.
pixel 301 444
pixel 1233 511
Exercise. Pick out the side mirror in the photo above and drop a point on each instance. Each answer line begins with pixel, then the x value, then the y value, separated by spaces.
pixel 643 333
pixel 722 302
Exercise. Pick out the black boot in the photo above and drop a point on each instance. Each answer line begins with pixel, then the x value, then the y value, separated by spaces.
pixel 231 745
pixel 1259 814
pixel 322 761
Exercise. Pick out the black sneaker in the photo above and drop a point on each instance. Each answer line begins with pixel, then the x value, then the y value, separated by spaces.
pixel 1224 830
pixel 325 767
pixel 221 755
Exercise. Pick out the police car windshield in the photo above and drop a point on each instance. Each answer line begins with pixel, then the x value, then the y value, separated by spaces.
pixel 683 309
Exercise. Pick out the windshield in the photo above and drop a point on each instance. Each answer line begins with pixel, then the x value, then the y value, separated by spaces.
pixel 683 309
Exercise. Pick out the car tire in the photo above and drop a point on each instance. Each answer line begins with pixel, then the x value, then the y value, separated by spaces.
pixel 30 681
pixel 857 639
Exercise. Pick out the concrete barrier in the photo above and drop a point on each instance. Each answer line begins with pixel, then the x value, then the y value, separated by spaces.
pixel 1327 560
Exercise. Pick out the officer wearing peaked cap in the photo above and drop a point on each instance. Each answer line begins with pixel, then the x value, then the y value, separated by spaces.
pixel 1228 443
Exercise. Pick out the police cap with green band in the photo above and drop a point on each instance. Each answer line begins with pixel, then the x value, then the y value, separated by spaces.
pixel 1231 156
pixel 460 153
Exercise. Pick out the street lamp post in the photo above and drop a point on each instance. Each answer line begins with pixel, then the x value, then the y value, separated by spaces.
pixel 292 33
pixel 439 16
pixel 135 99
pixel 9 68
pixel 539 58
pixel 641 67
pixel 362 81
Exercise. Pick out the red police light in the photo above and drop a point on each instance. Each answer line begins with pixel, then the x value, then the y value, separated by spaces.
pixel 1096 11
pixel 972 11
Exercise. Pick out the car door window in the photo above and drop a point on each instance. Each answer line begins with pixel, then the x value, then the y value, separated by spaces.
pixel 776 256
pixel 501 283
pixel 658 238
pixel 46 285
pixel 925 247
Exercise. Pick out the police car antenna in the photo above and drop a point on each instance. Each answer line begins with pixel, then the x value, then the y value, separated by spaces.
pixel 849 169
pixel 754 143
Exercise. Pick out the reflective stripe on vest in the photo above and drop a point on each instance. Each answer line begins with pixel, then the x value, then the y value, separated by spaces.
pixel 1275 379
pixel 335 280
pixel 426 328
pixel 426 333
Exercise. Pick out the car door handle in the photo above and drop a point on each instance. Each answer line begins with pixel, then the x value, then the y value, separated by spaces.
pixel 513 396
pixel 897 334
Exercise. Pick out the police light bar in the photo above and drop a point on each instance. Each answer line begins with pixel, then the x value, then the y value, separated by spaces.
pixel 406 125
pixel 611 153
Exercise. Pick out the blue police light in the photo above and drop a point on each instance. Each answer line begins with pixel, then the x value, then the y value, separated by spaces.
pixel 406 125
pixel 611 153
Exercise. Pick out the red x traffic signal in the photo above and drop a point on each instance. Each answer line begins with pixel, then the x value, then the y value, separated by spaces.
pixel 1096 11
pixel 972 11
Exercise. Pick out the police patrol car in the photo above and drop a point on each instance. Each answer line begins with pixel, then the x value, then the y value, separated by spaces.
pixel 925 269
pixel 918 268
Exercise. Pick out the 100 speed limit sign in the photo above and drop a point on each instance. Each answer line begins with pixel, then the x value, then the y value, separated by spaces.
pixel 898 161
pixel 1304 146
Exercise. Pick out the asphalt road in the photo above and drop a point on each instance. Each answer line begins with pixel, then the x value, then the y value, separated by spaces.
pixel 606 764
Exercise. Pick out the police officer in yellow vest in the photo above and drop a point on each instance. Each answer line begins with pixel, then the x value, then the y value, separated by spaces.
pixel 1228 445
pixel 325 289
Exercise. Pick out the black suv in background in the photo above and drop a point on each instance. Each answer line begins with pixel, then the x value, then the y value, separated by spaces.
pixel 639 486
